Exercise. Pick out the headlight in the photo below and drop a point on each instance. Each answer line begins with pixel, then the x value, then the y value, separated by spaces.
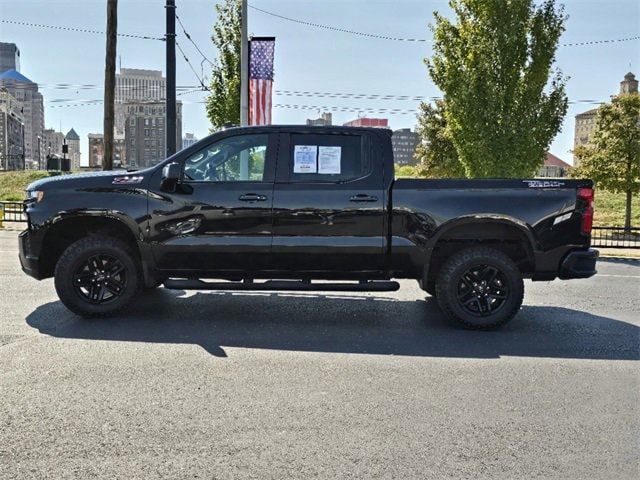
pixel 34 195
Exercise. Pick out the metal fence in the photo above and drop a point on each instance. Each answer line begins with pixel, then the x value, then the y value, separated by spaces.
pixel 615 237
pixel 12 212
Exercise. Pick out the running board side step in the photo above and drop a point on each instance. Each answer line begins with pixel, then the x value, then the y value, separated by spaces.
pixel 283 285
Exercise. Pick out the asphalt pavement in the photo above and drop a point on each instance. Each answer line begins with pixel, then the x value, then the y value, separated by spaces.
pixel 320 385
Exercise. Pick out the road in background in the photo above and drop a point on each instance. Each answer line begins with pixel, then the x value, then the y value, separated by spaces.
pixel 252 385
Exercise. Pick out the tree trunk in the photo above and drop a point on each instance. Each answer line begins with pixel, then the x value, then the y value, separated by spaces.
pixel 110 83
pixel 627 214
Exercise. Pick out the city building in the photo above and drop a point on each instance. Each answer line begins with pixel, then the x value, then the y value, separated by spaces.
pixel 188 140
pixel 326 118
pixel 9 57
pixel 11 133
pixel 32 111
pixel 404 143
pixel 145 132
pixel 586 121
pixel 629 84
pixel 72 139
pixel 52 142
pixel 136 85
pixel 368 122
pixel 96 150
pixel 553 167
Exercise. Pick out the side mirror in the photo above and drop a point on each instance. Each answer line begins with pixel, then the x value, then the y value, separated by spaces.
pixel 170 177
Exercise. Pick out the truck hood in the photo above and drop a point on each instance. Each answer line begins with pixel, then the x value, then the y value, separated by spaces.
pixel 88 178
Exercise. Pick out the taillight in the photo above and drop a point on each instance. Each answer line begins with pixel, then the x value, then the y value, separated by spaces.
pixel 586 195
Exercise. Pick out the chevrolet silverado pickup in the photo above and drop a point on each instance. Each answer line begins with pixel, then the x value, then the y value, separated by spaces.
pixel 303 208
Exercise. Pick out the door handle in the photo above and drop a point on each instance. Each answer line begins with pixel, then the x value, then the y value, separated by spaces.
pixel 363 197
pixel 252 197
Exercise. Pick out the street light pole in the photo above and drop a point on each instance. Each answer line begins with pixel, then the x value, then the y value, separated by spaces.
pixel 244 67
pixel 170 40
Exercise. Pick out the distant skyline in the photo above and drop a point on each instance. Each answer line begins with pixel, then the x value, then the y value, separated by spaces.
pixel 308 59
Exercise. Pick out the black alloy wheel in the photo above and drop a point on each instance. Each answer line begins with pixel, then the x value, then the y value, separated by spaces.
pixel 482 290
pixel 100 279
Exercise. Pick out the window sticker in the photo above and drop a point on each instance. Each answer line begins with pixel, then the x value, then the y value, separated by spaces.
pixel 329 160
pixel 305 159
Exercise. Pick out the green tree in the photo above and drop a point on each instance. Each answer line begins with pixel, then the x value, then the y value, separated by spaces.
pixel 436 154
pixel 504 101
pixel 612 158
pixel 223 103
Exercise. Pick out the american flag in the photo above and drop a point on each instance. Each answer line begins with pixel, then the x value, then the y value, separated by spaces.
pixel 261 52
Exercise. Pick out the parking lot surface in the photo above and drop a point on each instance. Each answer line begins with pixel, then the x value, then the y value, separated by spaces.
pixel 314 385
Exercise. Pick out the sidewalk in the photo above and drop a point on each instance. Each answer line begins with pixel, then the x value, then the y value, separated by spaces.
pixel 619 252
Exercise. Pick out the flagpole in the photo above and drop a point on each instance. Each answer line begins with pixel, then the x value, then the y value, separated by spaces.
pixel 244 68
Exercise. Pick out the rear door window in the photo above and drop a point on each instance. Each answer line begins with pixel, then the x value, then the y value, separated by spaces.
pixel 328 158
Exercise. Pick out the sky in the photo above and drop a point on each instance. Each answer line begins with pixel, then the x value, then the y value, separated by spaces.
pixel 307 58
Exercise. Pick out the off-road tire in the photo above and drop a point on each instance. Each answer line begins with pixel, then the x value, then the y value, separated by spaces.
pixel 450 276
pixel 81 251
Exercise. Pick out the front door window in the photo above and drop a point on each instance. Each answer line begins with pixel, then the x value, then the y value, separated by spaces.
pixel 233 159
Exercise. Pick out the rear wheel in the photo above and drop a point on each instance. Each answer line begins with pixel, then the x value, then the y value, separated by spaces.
pixel 480 287
pixel 97 276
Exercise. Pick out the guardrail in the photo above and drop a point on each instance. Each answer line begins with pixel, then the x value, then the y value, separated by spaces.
pixel 12 212
pixel 615 237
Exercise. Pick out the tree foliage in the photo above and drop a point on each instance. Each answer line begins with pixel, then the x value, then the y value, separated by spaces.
pixel 436 154
pixel 612 157
pixel 504 101
pixel 223 103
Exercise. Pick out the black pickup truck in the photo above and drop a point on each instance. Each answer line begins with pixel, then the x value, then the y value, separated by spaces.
pixel 303 208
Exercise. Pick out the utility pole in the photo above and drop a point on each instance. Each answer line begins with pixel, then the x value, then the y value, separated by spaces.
pixel 110 83
pixel 244 87
pixel 170 40
pixel 244 68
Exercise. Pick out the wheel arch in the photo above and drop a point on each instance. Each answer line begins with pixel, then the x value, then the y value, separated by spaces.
pixel 506 234
pixel 63 230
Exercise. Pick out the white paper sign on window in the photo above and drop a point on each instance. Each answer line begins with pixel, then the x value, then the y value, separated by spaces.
pixel 329 160
pixel 305 159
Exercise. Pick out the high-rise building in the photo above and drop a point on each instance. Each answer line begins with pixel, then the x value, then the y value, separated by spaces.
pixel 188 140
pixel 136 85
pixel 404 143
pixel 72 140
pixel 96 150
pixel 11 133
pixel 32 110
pixel 368 122
pixel 586 122
pixel 9 57
pixel 326 118
pixel 145 132
pixel 52 142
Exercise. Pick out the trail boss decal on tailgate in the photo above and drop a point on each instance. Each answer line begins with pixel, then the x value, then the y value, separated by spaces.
pixel 127 180
pixel 544 183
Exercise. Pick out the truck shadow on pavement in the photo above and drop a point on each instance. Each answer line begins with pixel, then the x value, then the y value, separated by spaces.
pixel 345 324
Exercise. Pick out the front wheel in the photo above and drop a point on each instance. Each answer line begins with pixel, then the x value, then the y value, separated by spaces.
pixel 97 276
pixel 480 287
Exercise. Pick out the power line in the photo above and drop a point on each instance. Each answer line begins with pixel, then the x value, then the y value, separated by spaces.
pixel 595 42
pixel 338 29
pixel 186 59
pixel 191 40
pixel 76 29
pixel 398 39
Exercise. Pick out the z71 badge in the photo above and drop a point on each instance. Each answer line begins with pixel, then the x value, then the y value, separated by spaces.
pixel 544 183
pixel 127 180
